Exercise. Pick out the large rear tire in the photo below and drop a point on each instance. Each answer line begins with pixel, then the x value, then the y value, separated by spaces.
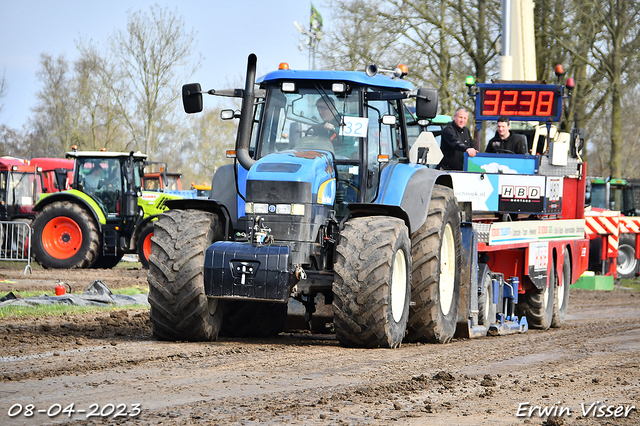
pixel 561 298
pixel 253 319
pixel 65 236
pixel 436 252
pixel 538 306
pixel 180 309
pixel 144 245
pixel 372 286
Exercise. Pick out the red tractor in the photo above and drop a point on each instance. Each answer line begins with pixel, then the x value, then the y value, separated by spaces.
pixel 21 184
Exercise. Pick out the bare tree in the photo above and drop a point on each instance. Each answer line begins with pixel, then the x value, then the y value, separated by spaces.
pixel 442 42
pixel 98 117
pixel 151 53
pixel 616 54
pixel 3 88
pixel 361 38
pixel 601 43
pixel 207 133
pixel 55 107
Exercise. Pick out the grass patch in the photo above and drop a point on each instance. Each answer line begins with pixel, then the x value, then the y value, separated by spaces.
pixel 12 311
pixel 35 265
pixel 8 312
pixel 632 283
pixel 129 291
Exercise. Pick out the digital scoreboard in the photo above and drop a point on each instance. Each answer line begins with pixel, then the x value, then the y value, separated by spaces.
pixel 519 101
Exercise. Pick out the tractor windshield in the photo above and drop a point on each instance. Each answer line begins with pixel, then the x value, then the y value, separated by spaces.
pixel 101 179
pixel 24 188
pixel 598 196
pixel 311 116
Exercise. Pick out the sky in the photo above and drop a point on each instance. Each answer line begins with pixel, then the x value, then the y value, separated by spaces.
pixel 226 33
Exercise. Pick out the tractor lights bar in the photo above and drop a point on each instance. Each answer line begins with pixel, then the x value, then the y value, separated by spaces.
pixel 264 208
pixel 290 87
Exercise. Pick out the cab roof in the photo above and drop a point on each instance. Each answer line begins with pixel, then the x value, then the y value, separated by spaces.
pixel 104 154
pixel 357 77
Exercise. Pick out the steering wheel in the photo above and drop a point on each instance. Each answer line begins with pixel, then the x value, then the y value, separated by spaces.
pixel 504 151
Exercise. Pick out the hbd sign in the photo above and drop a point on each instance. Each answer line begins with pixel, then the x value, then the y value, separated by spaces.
pixel 518 195
pixel 521 192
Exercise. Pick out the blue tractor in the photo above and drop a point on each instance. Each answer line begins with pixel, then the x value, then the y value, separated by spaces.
pixel 327 199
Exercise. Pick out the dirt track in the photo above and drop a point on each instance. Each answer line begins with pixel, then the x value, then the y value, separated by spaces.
pixel 308 379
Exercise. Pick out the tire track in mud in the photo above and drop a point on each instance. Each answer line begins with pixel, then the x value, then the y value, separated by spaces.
pixel 311 380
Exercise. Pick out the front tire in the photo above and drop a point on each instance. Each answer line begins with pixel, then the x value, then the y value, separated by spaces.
pixel 180 309
pixel 486 307
pixel 372 286
pixel 436 256
pixel 538 306
pixel 143 245
pixel 561 299
pixel 65 236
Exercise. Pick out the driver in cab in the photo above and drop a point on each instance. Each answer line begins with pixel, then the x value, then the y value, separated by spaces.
pixel 93 179
pixel 506 142
pixel 325 135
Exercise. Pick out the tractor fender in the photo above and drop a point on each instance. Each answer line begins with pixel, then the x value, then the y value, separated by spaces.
pixel 409 188
pixel 211 206
pixel 76 197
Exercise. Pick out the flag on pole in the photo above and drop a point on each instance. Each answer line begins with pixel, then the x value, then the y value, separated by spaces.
pixel 315 23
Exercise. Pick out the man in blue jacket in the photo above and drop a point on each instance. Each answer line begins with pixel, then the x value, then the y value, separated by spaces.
pixel 455 141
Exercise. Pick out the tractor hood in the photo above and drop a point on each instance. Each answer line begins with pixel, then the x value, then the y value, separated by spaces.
pixel 287 175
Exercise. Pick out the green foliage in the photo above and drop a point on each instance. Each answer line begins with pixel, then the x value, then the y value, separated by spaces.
pixel 8 312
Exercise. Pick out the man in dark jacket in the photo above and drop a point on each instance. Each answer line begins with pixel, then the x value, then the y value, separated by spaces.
pixel 504 140
pixel 455 141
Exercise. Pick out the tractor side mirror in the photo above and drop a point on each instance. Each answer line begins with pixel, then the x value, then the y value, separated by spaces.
pixel 426 103
pixel 577 142
pixel 229 114
pixel 192 98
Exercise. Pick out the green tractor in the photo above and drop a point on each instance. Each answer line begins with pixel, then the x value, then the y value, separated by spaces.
pixel 102 217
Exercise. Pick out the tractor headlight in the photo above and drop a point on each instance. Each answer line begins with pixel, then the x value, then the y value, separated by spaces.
pixel 283 208
pixel 260 208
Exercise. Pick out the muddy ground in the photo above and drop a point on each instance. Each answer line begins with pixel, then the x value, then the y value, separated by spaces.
pixel 94 360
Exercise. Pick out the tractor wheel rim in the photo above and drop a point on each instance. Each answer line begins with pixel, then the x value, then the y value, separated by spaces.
pixel 447 270
pixel 487 300
pixel 61 237
pixel 146 246
pixel 626 260
pixel 398 285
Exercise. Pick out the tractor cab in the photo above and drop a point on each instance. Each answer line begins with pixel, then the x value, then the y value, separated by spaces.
pixel 20 187
pixel 111 179
pixel 611 194
pixel 325 137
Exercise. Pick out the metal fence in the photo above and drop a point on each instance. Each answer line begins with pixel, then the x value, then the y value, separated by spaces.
pixel 15 243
